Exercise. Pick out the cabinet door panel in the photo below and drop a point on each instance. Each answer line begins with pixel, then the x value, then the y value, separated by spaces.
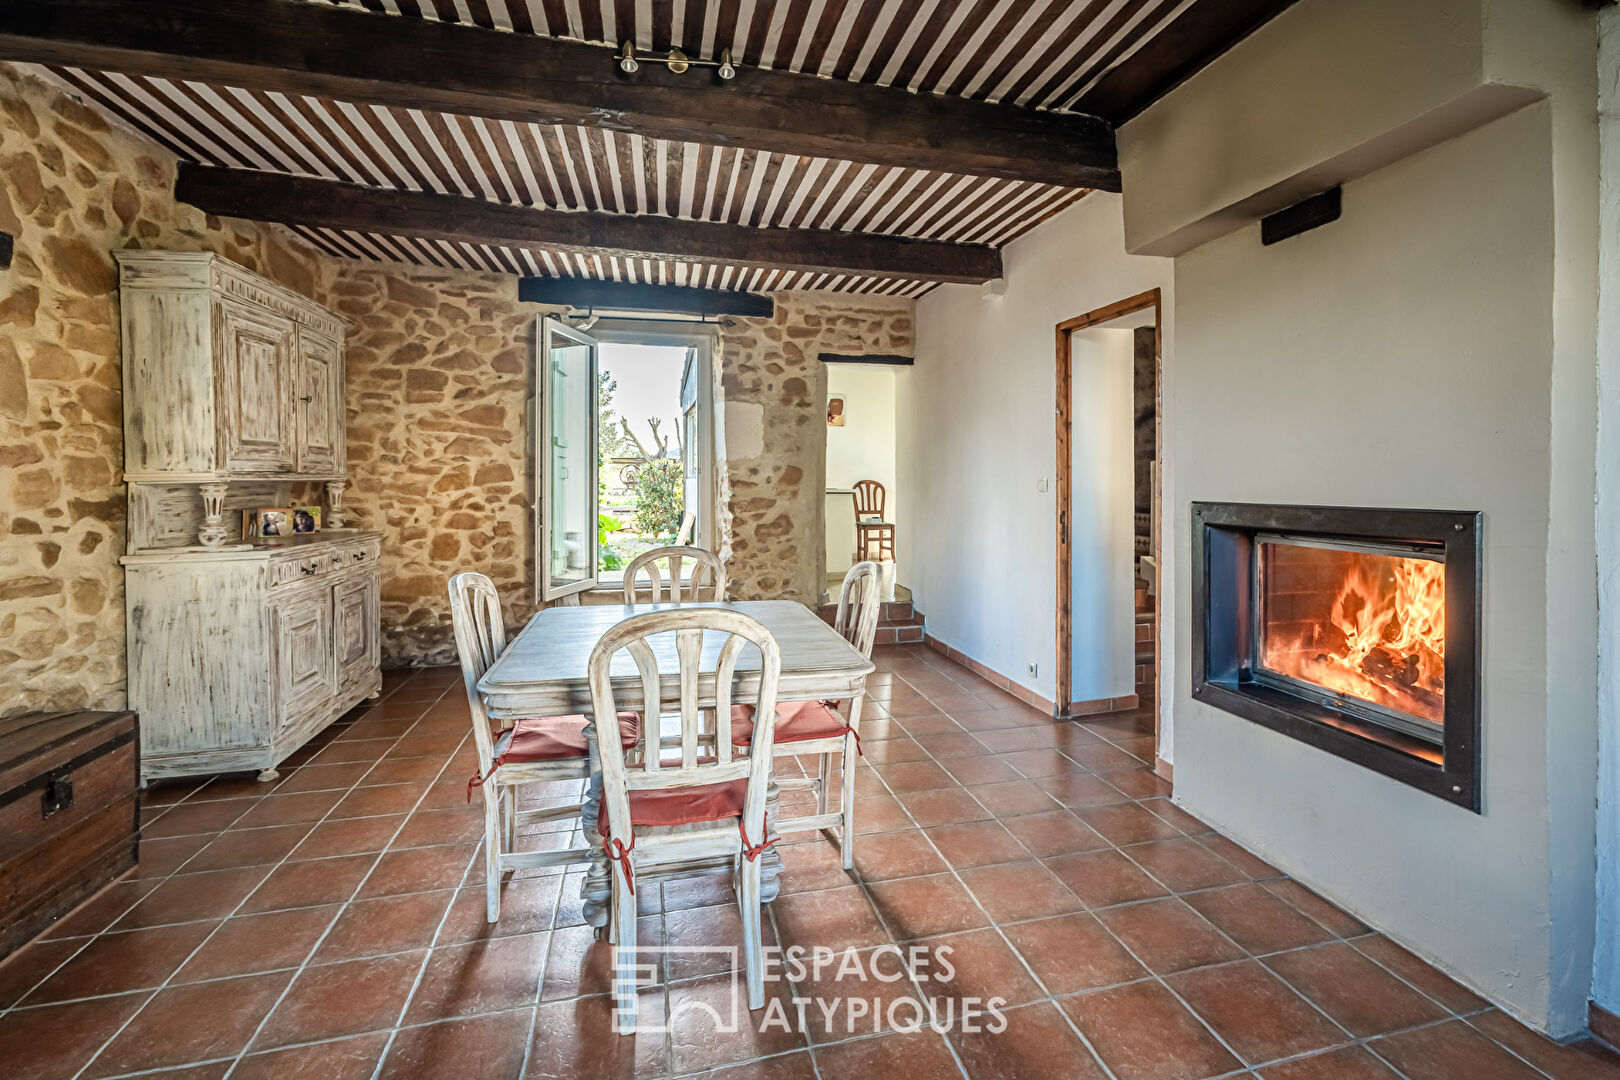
pixel 255 354
pixel 355 627
pixel 301 634
pixel 320 403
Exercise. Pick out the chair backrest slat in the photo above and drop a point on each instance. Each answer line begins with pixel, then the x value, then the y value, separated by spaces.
pixel 869 498
pixel 706 756
pixel 480 630
pixel 859 607
pixel 707 573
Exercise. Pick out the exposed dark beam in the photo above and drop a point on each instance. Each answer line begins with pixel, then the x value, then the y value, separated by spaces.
pixel 623 296
pixel 297 200
pixel 294 47
pixel 867 358
pixel 1175 54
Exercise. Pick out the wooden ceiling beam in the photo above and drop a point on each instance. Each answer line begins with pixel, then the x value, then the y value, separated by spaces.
pixel 304 48
pixel 587 295
pixel 327 204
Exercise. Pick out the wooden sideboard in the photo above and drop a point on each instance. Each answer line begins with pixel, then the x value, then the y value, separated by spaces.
pixel 240 649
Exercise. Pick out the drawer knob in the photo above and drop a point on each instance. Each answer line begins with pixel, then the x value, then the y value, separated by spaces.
pixel 310 569
pixel 359 555
pixel 58 796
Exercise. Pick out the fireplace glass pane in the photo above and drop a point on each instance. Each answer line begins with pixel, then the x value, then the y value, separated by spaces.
pixel 1356 626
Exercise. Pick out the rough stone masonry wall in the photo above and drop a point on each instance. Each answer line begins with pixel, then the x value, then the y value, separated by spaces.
pixel 775 391
pixel 71 191
pixel 440 374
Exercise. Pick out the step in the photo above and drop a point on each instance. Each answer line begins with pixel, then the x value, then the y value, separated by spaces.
pixel 899 611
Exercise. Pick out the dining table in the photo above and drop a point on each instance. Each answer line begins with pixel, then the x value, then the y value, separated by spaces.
pixel 543 672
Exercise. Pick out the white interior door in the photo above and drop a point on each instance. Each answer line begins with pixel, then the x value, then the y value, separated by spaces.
pixel 565 461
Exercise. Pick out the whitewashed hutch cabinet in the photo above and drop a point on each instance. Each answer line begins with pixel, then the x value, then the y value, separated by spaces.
pixel 239 649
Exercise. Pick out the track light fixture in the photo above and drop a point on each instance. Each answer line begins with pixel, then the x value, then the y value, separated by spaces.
pixel 677 62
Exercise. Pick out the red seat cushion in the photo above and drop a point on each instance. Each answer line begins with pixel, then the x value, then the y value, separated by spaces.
pixel 682 806
pixel 796 721
pixel 556 738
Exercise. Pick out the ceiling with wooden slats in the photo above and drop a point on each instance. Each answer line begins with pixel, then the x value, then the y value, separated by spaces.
pixel 1043 54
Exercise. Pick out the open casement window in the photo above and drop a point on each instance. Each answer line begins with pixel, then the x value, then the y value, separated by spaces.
pixel 565 461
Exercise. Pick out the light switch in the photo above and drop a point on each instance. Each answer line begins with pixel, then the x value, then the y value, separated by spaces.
pixel 1040 485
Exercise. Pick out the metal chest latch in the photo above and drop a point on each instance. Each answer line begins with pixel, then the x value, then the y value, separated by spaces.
pixel 57 796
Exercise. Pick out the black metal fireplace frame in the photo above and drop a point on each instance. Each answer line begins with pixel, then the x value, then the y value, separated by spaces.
pixel 1223 538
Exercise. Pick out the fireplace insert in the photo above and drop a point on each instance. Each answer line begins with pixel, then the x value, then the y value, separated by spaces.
pixel 1355 630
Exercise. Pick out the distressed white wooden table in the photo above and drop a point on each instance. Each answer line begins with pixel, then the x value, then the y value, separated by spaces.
pixel 542 673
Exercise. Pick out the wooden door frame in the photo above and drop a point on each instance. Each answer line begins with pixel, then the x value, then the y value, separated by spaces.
pixel 1064 698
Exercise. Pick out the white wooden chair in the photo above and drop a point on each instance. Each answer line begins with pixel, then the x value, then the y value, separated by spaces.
pixel 530 751
pixel 707 572
pixel 671 817
pixel 817 727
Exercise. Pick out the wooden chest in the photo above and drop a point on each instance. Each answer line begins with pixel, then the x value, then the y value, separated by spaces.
pixel 69 814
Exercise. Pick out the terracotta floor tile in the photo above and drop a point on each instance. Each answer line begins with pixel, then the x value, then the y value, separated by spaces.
pixel 1141 782
pixel 832 918
pixel 345 1059
pixel 306 884
pixel 1586 1059
pixel 925 906
pixel 1184 864
pixel 368 801
pixel 56 1041
pixel 1127 823
pixel 418 870
pixel 572 1041
pixel 387 924
pixel 527 906
pixel 348 836
pixel 480 977
pixel 161 857
pixel 915 776
pixel 188 897
pixel 197 817
pixel 167 1031
pixel 1035 1045
pixel 944 806
pixel 102 910
pixel 950 745
pixel 289 809
pixel 695 1043
pixel 893 751
pixel 981 770
pixel 1013 739
pixel 22 970
pixel 1058 832
pixel 116 963
pixel 1037 764
pixel 896 855
pixel 485 1046
pixel 332 1000
pixel 918 1055
pixel 1144 1033
pixel 1256 919
pixel 1450 1051
pixel 977 843
pixel 403 771
pixel 577 964
pixel 810 866
pixel 1255 1012
pixel 251 943
pixel 249 847
pixel 1363 997
pixel 858 992
pixel 323 778
pixel 1167 935
pixel 1340 922
pixel 1103 878
pixel 1100 757
pixel 1073 952
pixel 1425 977
pixel 981 966
pixel 1016 798
pixel 427 828
pixel 1013 892
pixel 1251 864
pixel 707 928
pixel 879 813
pixel 1351 1063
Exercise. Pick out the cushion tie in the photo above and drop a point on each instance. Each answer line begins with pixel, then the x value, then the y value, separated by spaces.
pixel 477 780
pixel 754 851
pixel 621 855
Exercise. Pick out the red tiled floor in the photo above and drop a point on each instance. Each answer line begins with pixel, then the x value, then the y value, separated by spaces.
pixel 331 926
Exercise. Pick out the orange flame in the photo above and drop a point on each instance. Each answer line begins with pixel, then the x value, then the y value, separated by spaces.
pixel 1390 644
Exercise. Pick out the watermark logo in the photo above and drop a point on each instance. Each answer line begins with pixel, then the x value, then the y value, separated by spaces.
pixel 815 991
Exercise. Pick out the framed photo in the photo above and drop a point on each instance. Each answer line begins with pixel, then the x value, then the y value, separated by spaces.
pixel 306 519
pixel 835 411
pixel 273 521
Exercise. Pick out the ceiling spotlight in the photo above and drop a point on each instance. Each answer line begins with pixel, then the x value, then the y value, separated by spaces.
pixel 627 58
pixel 726 71
pixel 677 62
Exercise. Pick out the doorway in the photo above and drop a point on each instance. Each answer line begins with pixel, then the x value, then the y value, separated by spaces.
pixel 859 518
pixel 1108 519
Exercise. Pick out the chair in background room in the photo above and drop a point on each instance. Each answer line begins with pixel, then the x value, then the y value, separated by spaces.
pixel 870 528
pixel 817 727
pixel 707 573
pixel 530 751
pixel 672 817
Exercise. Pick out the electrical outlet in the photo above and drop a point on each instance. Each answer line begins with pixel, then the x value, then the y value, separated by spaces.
pixel 1034 667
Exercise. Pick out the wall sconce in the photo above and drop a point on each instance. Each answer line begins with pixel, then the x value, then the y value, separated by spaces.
pixel 677 62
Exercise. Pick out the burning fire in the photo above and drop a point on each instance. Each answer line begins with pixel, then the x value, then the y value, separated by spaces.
pixel 1383 640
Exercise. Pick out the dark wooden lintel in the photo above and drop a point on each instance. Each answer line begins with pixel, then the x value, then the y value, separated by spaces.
pixel 586 294
pixel 867 358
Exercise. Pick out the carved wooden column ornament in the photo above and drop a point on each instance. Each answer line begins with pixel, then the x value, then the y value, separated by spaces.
pixel 212 533
pixel 334 503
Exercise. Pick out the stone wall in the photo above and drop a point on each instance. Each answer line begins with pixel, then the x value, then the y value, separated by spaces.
pixel 72 191
pixel 774 389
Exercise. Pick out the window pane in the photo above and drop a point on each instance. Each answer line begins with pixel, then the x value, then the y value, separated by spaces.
pixel 570 476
